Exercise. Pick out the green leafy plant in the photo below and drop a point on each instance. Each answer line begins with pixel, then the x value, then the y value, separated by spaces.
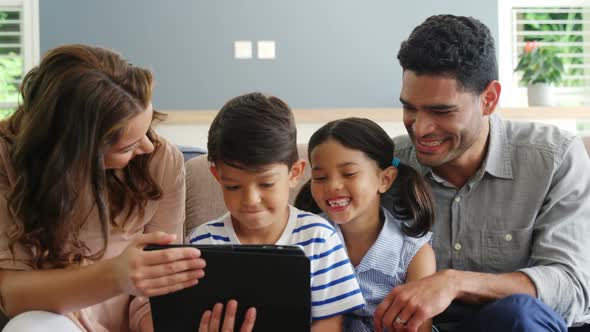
pixel 539 65
pixel 10 73
pixel 566 29
pixel 11 66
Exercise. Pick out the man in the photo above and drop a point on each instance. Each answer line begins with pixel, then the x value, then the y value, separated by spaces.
pixel 512 199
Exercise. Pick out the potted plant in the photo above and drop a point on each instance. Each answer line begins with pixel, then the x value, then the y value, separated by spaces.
pixel 541 69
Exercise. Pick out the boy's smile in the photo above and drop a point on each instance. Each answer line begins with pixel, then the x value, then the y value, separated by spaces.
pixel 258 200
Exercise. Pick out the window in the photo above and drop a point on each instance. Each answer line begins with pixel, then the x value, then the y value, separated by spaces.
pixel 19 48
pixel 563 25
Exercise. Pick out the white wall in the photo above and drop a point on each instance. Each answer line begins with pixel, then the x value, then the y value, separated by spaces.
pixel 196 135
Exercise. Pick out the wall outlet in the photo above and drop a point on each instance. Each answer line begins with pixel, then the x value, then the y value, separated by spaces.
pixel 243 49
pixel 266 49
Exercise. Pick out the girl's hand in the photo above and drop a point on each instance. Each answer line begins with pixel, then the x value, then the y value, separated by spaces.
pixel 151 273
pixel 210 320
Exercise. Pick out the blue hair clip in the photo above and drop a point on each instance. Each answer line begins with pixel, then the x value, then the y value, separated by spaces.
pixel 395 162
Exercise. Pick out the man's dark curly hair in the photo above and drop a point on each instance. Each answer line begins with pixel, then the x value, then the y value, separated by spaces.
pixel 457 46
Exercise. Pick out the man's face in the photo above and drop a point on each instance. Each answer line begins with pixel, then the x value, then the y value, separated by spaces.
pixel 442 119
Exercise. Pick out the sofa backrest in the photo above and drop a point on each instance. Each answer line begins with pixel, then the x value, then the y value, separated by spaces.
pixel 204 200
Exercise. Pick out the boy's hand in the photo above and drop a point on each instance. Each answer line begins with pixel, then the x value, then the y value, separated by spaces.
pixel 151 273
pixel 210 320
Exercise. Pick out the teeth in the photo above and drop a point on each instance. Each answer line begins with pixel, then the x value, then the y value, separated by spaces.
pixel 431 143
pixel 339 202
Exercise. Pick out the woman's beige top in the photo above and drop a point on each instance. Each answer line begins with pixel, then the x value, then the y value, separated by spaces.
pixel 121 313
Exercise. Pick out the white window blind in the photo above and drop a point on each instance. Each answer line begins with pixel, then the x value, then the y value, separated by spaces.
pixel 565 29
pixel 563 25
pixel 11 50
pixel 19 50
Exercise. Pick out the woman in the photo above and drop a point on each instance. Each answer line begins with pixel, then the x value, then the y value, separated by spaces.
pixel 85 183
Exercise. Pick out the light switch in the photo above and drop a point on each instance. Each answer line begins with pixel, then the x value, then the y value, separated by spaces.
pixel 243 49
pixel 266 49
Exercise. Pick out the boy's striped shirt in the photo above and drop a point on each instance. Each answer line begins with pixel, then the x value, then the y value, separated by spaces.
pixel 334 288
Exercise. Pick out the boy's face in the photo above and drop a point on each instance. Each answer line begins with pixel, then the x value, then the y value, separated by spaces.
pixel 257 200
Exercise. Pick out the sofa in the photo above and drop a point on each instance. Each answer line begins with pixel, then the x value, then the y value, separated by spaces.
pixel 204 200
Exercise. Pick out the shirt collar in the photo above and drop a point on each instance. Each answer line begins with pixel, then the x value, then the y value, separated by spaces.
pixel 390 233
pixel 498 160
pixel 373 259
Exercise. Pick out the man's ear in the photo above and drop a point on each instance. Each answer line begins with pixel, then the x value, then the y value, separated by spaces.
pixel 296 172
pixel 388 175
pixel 489 97
pixel 213 171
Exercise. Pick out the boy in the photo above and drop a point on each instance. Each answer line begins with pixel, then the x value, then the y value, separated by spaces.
pixel 252 146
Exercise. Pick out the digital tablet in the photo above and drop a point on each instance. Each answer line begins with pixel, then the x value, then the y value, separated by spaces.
pixel 273 279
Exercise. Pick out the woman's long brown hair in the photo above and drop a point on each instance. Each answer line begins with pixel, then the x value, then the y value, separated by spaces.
pixel 75 105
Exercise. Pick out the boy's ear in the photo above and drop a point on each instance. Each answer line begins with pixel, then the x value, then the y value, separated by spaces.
pixel 213 171
pixel 388 175
pixel 296 172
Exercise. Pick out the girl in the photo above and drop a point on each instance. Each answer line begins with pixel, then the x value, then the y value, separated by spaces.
pixel 352 167
pixel 85 183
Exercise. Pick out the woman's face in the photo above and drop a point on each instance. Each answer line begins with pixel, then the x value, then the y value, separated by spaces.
pixel 133 142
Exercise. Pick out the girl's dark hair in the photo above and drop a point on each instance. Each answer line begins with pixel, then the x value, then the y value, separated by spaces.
pixel 253 131
pixel 415 205
pixel 304 200
pixel 75 105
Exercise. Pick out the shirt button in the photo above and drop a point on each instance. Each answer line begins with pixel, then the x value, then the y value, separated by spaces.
pixel 508 237
pixel 457 246
pixel 458 199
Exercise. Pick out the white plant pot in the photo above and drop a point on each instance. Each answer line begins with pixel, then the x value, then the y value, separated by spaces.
pixel 540 94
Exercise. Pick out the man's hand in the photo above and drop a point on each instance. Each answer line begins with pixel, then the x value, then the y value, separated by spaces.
pixel 409 305
pixel 211 319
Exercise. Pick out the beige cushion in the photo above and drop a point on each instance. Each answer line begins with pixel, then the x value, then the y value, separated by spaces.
pixel 204 200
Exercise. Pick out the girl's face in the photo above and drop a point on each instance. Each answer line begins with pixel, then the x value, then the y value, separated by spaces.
pixel 133 142
pixel 345 183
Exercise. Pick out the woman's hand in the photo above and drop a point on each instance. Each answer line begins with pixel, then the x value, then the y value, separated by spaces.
pixel 211 319
pixel 157 272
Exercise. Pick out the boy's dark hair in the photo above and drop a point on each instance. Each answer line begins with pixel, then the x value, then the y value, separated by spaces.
pixel 457 46
pixel 252 131
pixel 367 136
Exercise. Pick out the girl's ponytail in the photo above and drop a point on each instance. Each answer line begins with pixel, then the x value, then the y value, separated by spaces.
pixel 304 201
pixel 412 201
